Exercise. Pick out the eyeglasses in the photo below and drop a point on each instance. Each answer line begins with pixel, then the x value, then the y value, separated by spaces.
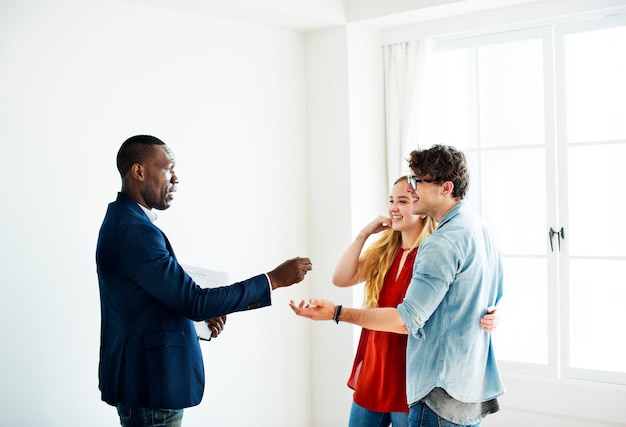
pixel 415 181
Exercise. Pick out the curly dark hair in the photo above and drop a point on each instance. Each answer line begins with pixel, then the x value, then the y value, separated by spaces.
pixel 442 163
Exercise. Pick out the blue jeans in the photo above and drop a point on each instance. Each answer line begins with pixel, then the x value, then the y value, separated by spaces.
pixel 361 417
pixel 420 415
pixel 147 417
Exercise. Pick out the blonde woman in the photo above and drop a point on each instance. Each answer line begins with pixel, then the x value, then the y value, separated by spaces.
pixel 379 372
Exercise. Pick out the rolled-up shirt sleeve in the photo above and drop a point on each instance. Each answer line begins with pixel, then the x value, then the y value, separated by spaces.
pixel 413 318
pixel 433 273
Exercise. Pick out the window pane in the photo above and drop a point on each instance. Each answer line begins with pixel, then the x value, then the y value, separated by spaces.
pixel 595 66
pixel 522 335
pixel 494 107
pixel 473 195
pixel 511 94
pixel 597 320
pixel 513 199
pixel 454 100
pixel 596 200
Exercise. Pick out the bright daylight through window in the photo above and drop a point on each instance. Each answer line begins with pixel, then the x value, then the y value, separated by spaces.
pixel 540 112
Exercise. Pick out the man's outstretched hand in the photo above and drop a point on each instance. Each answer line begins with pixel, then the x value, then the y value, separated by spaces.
pixel 315 309
pixel 290 272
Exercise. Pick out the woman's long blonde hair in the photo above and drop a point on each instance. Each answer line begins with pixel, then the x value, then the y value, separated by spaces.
pixel 377 259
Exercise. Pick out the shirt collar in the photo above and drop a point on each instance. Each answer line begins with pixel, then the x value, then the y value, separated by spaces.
pixel 151 215
pixel 451 213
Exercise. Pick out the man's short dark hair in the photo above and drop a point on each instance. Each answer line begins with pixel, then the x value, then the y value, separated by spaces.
pixel 135 149
pixel 442 163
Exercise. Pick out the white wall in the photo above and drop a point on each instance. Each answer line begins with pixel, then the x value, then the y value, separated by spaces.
pixel 347 174
pixel 76 79
pixel 552 402
pixel 329 189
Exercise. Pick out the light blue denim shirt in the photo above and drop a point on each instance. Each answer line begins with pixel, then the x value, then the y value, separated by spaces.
pixel 456 276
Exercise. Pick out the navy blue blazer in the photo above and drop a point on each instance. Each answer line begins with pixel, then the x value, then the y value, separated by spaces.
pixel 149 352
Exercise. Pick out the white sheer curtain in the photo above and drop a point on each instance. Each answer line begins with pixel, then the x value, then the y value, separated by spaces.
pixel 408 80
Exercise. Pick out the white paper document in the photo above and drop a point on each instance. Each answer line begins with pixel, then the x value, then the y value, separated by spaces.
pixel 206 278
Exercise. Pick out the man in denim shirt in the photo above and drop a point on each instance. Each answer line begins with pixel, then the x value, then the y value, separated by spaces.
pixel 452 376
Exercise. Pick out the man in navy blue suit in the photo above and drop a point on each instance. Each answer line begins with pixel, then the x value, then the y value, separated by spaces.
pixel 150 360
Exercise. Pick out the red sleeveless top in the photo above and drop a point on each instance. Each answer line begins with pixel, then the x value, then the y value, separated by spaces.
pixel 379 370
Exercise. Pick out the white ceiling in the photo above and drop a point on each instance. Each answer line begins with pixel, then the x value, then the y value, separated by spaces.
pixel 307 15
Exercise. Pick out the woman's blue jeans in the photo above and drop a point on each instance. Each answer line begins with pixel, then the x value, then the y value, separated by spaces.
pixel 361 417
pixel 420 415
pixel 146 417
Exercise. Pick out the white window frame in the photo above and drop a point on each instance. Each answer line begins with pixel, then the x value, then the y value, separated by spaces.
pixel 592 22
pixel 552 36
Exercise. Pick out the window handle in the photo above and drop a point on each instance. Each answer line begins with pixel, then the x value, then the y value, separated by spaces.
pixel 559 235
